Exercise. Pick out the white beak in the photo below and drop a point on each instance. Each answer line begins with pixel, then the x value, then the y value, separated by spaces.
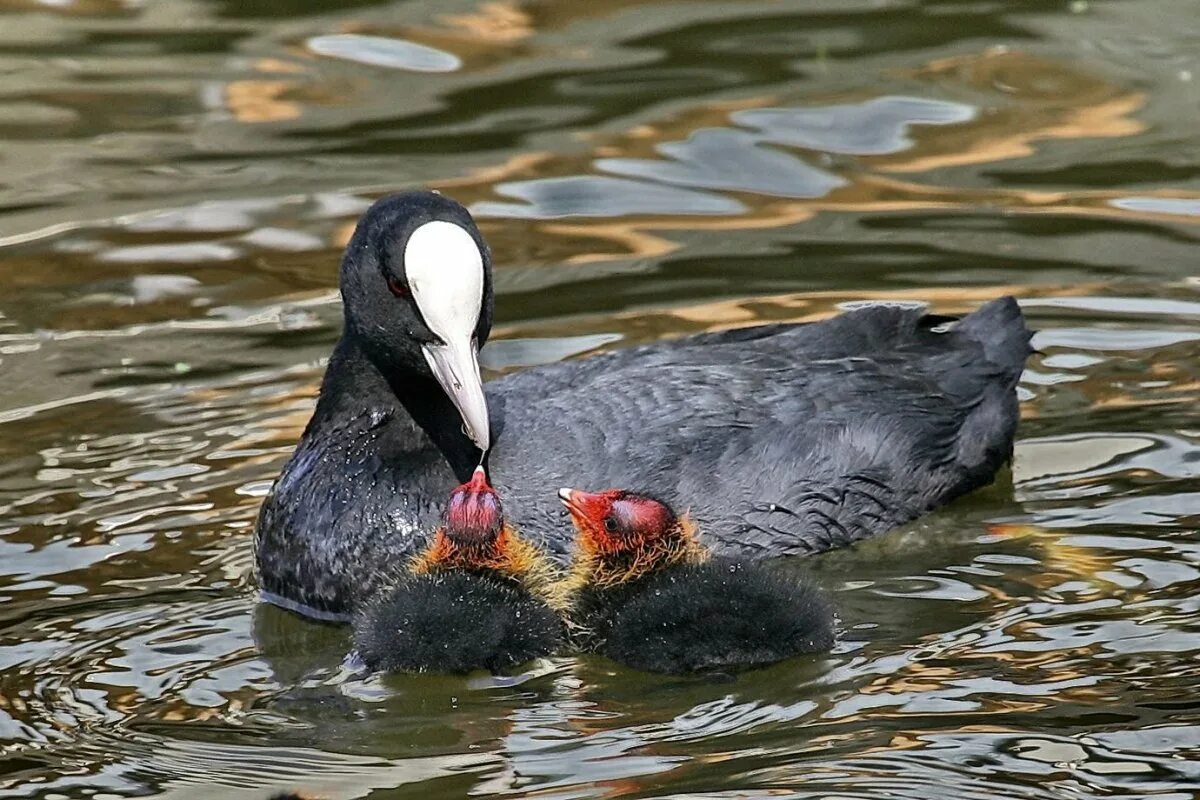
pixel 456 367
pixel 445 275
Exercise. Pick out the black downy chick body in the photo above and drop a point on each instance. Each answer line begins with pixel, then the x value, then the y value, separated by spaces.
pixel 469 601
pixel 647 594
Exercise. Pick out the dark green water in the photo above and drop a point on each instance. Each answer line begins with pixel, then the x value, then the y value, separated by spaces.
pixel 177 179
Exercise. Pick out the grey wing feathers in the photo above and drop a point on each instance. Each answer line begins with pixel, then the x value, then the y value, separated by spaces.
pixel 781 439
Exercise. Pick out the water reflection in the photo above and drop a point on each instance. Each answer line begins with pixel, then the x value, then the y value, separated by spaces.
pixel 879 126
pixel 178 180
pixel 603 197
pixel 378 51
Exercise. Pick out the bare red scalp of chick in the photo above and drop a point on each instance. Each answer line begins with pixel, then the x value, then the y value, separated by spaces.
pixel 474 514
pixel 618 521
pixel 475 537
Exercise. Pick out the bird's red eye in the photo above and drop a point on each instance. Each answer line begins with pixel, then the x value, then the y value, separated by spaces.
pixel 396 287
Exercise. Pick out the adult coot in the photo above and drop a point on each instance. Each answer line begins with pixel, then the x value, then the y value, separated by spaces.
pixel 782 438
pixel 644 591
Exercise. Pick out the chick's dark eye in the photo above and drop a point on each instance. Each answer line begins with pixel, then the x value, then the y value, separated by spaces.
pixel 610 524
pixel 396 287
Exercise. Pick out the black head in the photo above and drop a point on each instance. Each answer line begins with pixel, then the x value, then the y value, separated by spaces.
pixel 416 284
pixel 455 622
pixel 719 615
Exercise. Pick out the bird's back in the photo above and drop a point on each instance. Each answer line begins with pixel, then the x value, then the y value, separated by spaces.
pixel 780 439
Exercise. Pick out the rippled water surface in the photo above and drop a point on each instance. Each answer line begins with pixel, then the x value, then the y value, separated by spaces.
pixel 177 178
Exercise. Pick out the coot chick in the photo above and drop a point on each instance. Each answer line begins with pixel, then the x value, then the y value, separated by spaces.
pixel 648 595
pixel 475 598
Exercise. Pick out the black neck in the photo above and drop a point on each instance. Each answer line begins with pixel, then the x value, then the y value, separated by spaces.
pixel 355 386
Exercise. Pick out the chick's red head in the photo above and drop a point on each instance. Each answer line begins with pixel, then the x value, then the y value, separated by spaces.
pixel 474 515
pixel 618 521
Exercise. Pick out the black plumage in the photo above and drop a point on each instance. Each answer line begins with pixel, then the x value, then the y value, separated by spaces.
pixel 454 622
pixel 784 438
pixel 722 614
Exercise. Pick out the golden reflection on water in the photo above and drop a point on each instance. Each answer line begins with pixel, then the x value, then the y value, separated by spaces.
pixel 647 324
pixel 500 22
pixel 1062 559
pixel 1036 100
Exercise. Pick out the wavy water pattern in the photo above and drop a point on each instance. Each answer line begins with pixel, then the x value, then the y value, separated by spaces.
pixel 177 181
